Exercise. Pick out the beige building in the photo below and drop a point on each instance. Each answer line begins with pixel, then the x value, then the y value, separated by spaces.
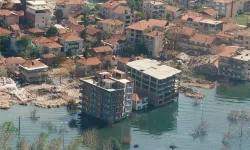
pixel 172 12
pixel 124 14
pixel 86 66
pixel 47 45
pixel 154 9
pixel 33 71
pixel 226 8
pixel 139 102
pixel 3 68
pixel 112 26
pixel 117 43
pixel 101 51
pixel 242 38
pixel 71 6
pixel 72 44
pixel 158 25
pixel 13 64
pixel 108 7
pixel 154 41
pixel 76 18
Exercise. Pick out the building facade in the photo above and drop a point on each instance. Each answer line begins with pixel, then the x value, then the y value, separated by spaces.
pixel 154 9
pixel 71 6
pixel 139 102
pixel 112 26
pixel 226 8
pixel 154 42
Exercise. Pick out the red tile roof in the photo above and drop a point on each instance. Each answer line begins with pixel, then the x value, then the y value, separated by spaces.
pixel 136 97
pixel 70 37
pixel 4 12
pixel 157 22
pixel 36 30
pixel 19 13
pixel 14 60
pixel 187 31
pixel 112 22
pixel 93 61
pixel 33 64
pixel 110 4
pixel 171 8
pixel 52 45
pixel 121 9
pixel 202 38
pixel 211 12
pixel 41 40
pixel 2 61
pixel 102 49
pixel 154 33
pixel 76 14
pixel 140 25
pixel 73 2
pixel 114 40
pixel 15 27
pixel 4 31
pixel 77 28
pixel 49 55
pixel 227 51
pixel 92 31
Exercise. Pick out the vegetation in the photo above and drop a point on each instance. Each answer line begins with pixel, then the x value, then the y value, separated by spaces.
pixel 24 42
pixel 49 126
pixel 3 24
pixel 200 131
pixel 4 42
pixel 59 15
pixel 33 115
pixel 7 133
pixel 85 20
pixel 172 146
pixel 90 139
pixel 241 19
pixel 142 15
pixel 111 144
pixel 52 31
pixel 30 52
pixel 135 5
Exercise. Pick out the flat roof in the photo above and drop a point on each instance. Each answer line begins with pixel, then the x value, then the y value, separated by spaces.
pixel 153 68
pixel 124 81
pixel 39 7
pixel 90 80
pixel 244 56
pixel 209 21
pixel 35 3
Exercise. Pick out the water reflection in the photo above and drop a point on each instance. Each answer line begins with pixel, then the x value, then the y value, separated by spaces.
pixel 157 121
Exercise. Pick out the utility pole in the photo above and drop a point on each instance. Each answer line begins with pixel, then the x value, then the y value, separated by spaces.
pixel 19 127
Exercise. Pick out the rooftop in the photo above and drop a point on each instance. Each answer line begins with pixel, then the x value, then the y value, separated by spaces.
pixel 4 31
pixel 92 81
pixel 211 12
pixel 244 56
pixel 210 21
pixel 154 34
pixel 44 7
pixel 70 37
pixel 114 40
pixel 4 12
pixel 140 25
pixel 102 49
pixel 15 27
pixel 48 55
pixel 36 3
pixel 223 1
pixel 122 10
pixel 157 22
pixel 89 61
pixel 33 64
pixel 14 60
pixel 112 22
pixel 171 8
pixel 110 4
pixel 72 2
pixel 203 38
pixel 35 30
pixel 227 51
pixel 153 68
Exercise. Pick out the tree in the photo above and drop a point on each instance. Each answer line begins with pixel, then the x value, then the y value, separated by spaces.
pixel 55 144
pixel 173 36
pixel 86 52
pixel 135 5
pixel 8 132
pixel 85 19
pixel 142 15
pixel 23 42
pixel 111 144
pixel 52 31
pixel 22 144
pixel 30 52
pixel 3 24
pixel 58 13
pixel 168 17
pixel 83 34
pixel 75 144
pixel 90 139
pixel 4 42
pixel 40 143
pixel 140 47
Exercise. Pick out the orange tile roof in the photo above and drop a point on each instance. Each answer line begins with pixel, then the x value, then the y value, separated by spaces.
pixel 157 22
pixel 77 28
pixel 70 37
pixel 4 31
pixel 15 27
pixel 136 97
pixel 93 61
pixel 227 51
pixel 52 45
pixel 14 60
pixel 72 2
pixel 2 61
pixel 41 40
pixel 114 40
pixel 140 25
pixel 227 20
pixel 124 60
pixel 223 1
pixel 102 49
pixel 33 64
pixel 191 15
pixel 19 13
pixel 121 9
pixel 154 33
pixel 211 12
pixel 111 57
pixel 48 55
pixel 4 12
pixel 112 22
pixel 110 4
pixel 92 31
pixel 36 30
pixel 187 31
pixel 229 27
pixel 202 38
pixel 76 14
pixel 171 8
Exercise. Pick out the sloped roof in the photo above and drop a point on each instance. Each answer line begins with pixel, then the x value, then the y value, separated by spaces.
pixel 112 22
pixel 93 61
pixel 4 31
pixel 121 9
pixel 102 49
pixel 140 25
pixel 4 12
pixel 73 2
pixel 48 55
pixel 157 22
pixel 35 30
pixel 171 8
pixel 15 27
pixel 211 12
pixel 33 64
pixel 202 38
pixel 154 33
pixel 14 60
pixel 110 4
pixel 69 37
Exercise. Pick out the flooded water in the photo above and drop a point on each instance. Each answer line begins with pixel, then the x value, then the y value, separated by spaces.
pixel 158 128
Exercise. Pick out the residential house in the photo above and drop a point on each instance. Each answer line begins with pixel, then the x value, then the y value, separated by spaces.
pixel 137 30
pixel 112 26
pixel 13 64
pixel 227 36
pixel 153 80
pixel 3 68
pixel 38 14
pixel 35 32
pixel 234 63
pixel 33 71
pixel 124 14
pixel 154 9
pixel 172 12
pixel 108 7
pixel 15 28
pixel 71 43
pixel 86 66
pixel 101 51
pixel 71 6
pixel 117 43
pixel 242 38
pixel 226 8
pixel 111 59
pixel 76 18
pixel 49 59
pixel 139 102
pixel 209 12
pixel 9 16
pixel 47 45
pixel 93 34
pixel 185 33
pixel 154 42
pixel 158 25
pixel 4 31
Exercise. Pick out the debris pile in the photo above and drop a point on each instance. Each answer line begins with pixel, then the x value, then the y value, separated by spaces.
pixel 189 92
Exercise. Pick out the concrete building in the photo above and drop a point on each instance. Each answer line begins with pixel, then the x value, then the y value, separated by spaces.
pixel 3 68
pixel 152 79
pixel 172 12
pixel 112 26
pixel 86 66
pixel 124 14
pixel 108 7
pixel 9 16
pixel 158 25
pixel 101 51
pixel 38 14
pixel 235 65
pixel 107 96
pixel 139 102
pixel 242 38
pixel 71 43
pixel 33 71
pixel 117 43
pixel 154 9
pixel 47 45
pixel 71 6
pixel 13 64
pixel 76 18
pixel 154 41
pixel 226 8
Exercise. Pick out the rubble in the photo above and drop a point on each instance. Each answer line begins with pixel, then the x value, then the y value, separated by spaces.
pixel 189 92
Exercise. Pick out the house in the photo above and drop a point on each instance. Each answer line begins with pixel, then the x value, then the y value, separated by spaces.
pixel 93 34
pixel 137 30
pixel 33 71
pixel 13 63
pixel 71 6
pixel 9 16
pixel 108 7
pixel 172 12
pixel 124 14
pixel 15 28
pixel 35 32
pixel 154 42
pixel 72 44
pixel 75 28
pixel 111 59
pixel 242 38
pixel 101 51
pixel 112 26
pixel 209 12
pixel 86 66
pixel 226 8
pixel 47 45
pixel 3 68
pixel 76 18
pixel 49 59
pixel 139 102
pixel 154 9
pixel 38 14
pixel 117 43
pixel 4 31
pixel 158 25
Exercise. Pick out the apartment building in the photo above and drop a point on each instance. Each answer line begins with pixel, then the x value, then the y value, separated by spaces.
pixel 9 16
pixel 152 79
pixel 242 38
pixel 235 65
pixel 154 9
pixel 108 7
pixel 101 51
pixel 76 18
pixel 172 12
pixel 139 102
pixel 107 96
pixel 86 66
pixel 226 8
pixel 71 43
pixel 158 25
pixel 154 42
pixel 71 6
pixel 112 26
pixel 38 14
pixel 137 30
pixel 33 71
pixel 117 43
pixel 48 45
pixel 124 14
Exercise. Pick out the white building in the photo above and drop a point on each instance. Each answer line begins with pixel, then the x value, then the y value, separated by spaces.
pixel 154 9
pixel 154 41
pixel 139 102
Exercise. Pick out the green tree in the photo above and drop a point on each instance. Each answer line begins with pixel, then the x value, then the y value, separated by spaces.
pixel 52 31
pixel 142 15
pixel 111 144
pixel 59 15
pixel 85 19
pixel 140 47
pixel 135 5
pixel 86 52
pixel 8 132
pixel 23 42
pixel 90 139
pixel 40 143
pixel 31 51
pixel 83 34
pixel 3 24
pixel 4 42
pixel 168 17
